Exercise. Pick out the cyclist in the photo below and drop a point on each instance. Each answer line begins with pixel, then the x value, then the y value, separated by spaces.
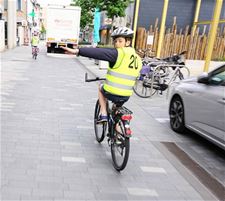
pixel 34 41
pixel 124 67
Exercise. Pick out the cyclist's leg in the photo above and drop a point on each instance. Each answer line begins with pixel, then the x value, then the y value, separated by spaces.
pixel 102 101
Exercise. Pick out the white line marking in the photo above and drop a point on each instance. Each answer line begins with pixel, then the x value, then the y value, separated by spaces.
pixel 142 192
pixel 58 100
pixel 85 127
pixel 77 105
pixel 153 169
pixel 64 143
pixel 162 120
pixel 66 108
pixel 8 103
pixel 74 159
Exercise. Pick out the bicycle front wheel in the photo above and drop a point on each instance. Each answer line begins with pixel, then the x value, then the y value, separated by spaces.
pixel 120 147
pixel 142 88
pixel 100 128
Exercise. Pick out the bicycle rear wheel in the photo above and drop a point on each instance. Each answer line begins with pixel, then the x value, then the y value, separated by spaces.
pixel 120 147
pixel 100 128
pixel 142 88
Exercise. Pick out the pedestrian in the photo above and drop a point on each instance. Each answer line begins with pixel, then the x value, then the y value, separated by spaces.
pixel 124 67
pixel 18 41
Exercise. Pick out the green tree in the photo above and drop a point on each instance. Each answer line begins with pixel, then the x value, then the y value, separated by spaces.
pixel 113 8
pixel 87 10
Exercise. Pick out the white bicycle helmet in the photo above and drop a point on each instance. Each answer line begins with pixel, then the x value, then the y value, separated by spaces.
pixel 122 31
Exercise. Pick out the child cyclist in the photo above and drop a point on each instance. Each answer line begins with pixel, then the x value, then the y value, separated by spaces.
pixel 34 41
pixel 124 67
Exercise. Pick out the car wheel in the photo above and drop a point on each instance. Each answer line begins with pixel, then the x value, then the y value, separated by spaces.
pixel 176 112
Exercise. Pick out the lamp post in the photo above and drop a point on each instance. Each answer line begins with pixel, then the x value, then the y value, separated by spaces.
pixel 212 33
pixel 135 19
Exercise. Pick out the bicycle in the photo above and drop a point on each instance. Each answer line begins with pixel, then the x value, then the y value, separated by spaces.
pixel 35 52
pixel 157 75
pixel 117 129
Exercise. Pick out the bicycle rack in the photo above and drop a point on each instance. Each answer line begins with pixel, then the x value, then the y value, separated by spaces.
pixel 166 65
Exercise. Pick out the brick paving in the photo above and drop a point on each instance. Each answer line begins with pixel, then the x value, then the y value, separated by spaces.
pixel 48 149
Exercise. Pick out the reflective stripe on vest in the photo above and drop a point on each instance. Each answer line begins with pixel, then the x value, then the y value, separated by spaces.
pixel 121 86
pixel 128 77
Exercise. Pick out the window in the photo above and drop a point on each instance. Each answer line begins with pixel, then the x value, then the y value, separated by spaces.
pixel 19 5
pixel 218 77
pixel 5 4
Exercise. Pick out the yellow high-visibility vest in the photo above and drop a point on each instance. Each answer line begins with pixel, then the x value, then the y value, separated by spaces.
pixel 35 40
pixel 120 79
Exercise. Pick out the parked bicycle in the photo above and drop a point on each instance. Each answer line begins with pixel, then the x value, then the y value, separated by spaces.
pixel 157 74
pixel 35 51
pixel 117 129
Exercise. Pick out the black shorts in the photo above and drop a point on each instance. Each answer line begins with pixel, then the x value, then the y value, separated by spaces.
pixel 114 98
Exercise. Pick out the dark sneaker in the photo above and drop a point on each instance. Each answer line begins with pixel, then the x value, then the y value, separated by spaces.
pixel 102 119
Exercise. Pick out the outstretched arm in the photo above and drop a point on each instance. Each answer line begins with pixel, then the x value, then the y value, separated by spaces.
pixel 106 54
pixel 70 50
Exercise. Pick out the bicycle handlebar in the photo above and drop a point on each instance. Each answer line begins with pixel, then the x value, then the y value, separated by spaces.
pixel 92 80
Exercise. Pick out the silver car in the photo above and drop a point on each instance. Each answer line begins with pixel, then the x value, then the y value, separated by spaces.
pixel 199 105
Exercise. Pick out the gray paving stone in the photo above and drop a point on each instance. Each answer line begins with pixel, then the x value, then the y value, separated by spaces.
pixel 111 196
pixel 14 192
pixel 48 193
pixel 79 195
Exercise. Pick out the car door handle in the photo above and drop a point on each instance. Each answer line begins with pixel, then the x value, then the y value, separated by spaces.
pixel 222 101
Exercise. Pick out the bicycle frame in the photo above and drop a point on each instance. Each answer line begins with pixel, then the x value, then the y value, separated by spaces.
pixel 176 73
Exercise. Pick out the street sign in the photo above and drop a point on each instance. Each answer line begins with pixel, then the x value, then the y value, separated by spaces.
pixel 108 21
pixel 32 14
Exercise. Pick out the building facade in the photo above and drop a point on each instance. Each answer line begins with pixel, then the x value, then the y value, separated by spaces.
pixel 15 27
pixel 184 10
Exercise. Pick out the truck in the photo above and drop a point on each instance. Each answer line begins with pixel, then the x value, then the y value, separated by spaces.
pixel 63 27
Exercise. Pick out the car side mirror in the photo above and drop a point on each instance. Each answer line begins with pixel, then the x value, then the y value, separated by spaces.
pixel 203 78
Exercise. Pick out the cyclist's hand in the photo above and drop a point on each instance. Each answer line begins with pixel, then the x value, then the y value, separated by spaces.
pixel 70 50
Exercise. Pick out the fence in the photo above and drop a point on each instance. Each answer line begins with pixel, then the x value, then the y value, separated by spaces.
pixel 183 40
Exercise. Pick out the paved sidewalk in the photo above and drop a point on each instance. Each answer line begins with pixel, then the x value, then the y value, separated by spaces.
pixel 48 149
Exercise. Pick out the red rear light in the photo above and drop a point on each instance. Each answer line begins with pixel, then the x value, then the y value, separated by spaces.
pixel 126 117
pixel 128 132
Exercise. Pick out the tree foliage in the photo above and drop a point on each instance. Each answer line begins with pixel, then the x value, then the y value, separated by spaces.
pixel 113 8
pixel 87 11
